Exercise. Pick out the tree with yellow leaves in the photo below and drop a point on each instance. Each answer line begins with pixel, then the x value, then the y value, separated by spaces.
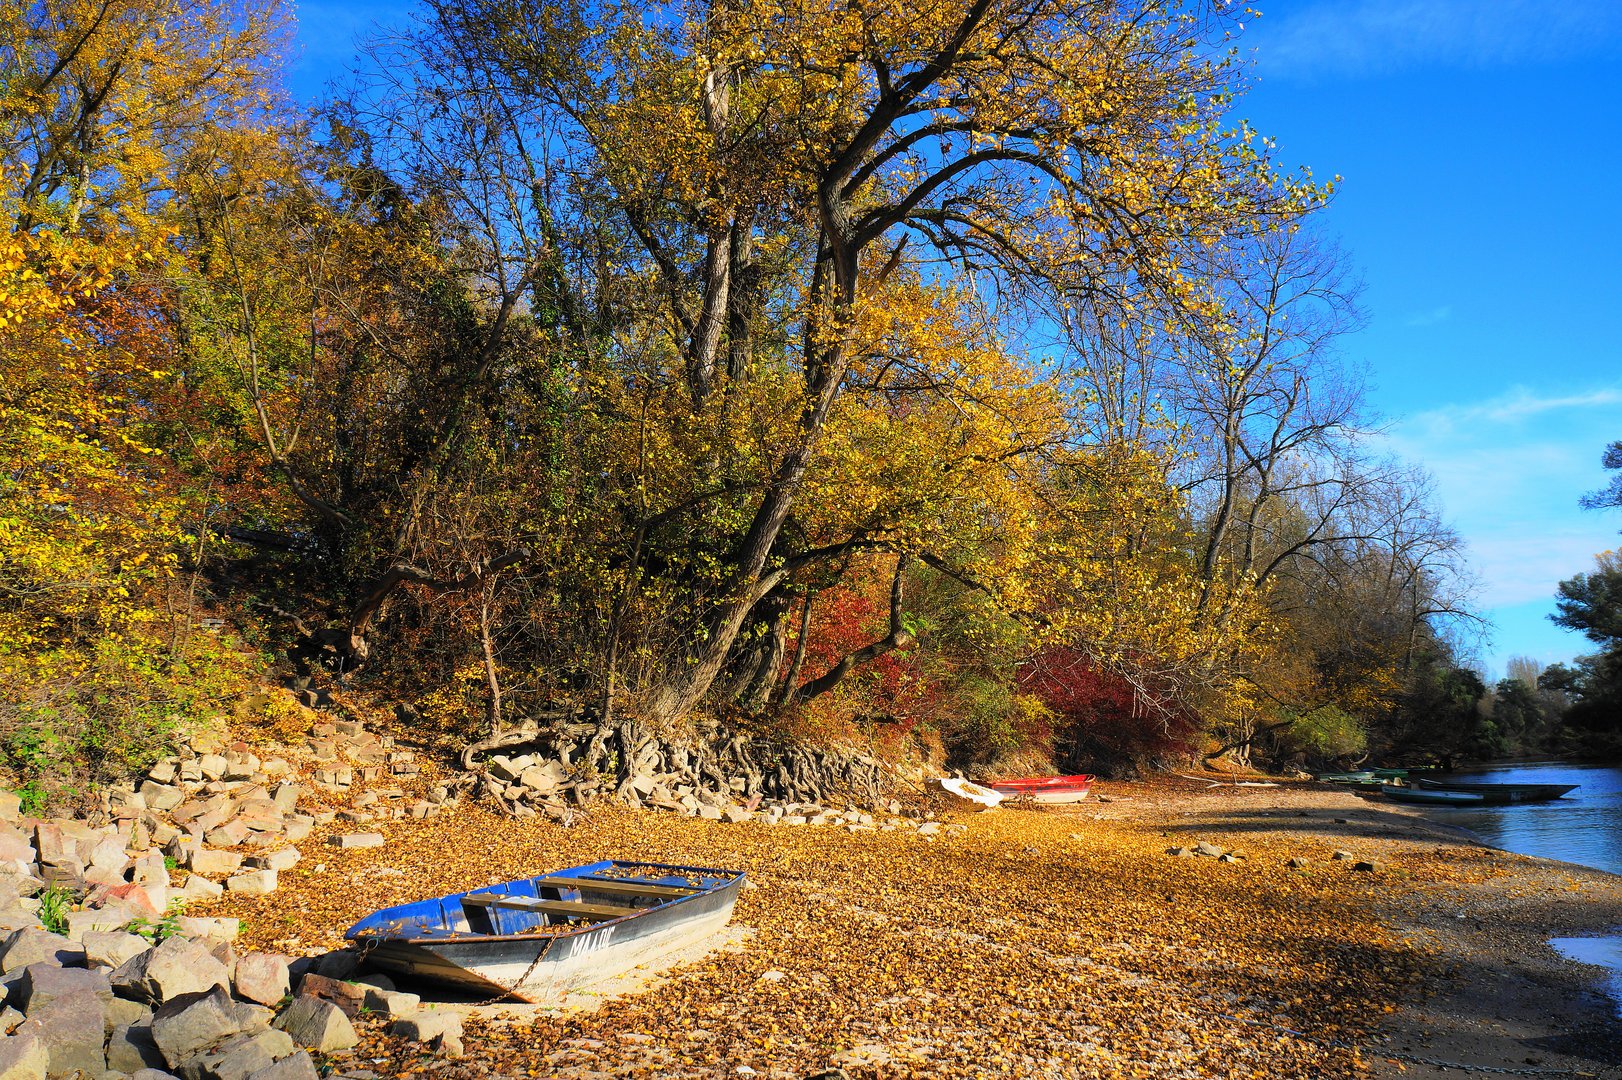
pixel 750 210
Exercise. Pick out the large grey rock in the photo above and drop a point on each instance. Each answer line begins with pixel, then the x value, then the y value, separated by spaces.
pixel 192 1023
pixel 152 1074
pixel 23 1057
pixel 178 966
pixel 31 946
pixel 317 1025
pixel 44 983
pixel 238 1057
pixel 296 1066
pixel 73 1032
pixel 122 1012
pixel 262 977
pixel 16 918
pixel 110 948
pixel 130 1049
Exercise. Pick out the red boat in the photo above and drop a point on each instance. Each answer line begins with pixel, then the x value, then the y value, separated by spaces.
pixel 1045 789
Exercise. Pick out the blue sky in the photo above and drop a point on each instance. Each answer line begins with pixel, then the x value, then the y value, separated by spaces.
pixel 1480 142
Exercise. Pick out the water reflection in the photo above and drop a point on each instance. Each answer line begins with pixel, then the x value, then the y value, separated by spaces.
pixel 1584 827
pixel 1603 952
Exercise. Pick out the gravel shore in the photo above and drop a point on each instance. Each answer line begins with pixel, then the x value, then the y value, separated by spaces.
pixel 1500 997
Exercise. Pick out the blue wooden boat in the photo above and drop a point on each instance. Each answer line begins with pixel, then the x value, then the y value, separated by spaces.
pixel 539 938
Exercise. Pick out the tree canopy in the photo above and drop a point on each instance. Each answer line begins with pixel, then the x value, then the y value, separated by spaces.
pixel 958 368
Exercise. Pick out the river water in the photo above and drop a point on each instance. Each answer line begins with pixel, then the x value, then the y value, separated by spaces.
pixel 1583 827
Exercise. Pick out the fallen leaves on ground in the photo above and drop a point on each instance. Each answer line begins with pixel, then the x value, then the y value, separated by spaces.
pixel 1036 944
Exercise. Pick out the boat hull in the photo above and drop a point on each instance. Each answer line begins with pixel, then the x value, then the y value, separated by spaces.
pixel 1426 797
pixel 1048 790
pixel 536 966
pixel 1502 794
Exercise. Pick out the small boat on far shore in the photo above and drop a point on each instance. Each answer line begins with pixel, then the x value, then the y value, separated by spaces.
pixel 1045 789
pixel 1500 794
pixel 1431 797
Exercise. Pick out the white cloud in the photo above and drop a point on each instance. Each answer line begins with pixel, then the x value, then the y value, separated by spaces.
pixel 1429 318
pixel 1373 36
pixel 1509 471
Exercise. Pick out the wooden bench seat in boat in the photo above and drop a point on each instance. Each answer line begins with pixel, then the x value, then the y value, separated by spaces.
pixel 629 888
pixel 550 907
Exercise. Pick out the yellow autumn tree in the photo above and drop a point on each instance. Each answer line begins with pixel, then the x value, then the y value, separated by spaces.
pixel 104 107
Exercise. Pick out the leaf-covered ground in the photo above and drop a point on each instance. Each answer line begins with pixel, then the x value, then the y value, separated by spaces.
pixel 1035 944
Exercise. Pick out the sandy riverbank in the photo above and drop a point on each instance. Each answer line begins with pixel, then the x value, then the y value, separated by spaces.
pixel 1042 944
pixel 1497 994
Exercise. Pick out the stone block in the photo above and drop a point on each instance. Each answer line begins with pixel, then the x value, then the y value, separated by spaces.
pixel 213 863
pixel 198 887
pixel 177 967
pixel 44 983
pixel 73 1032
pixel 209 930
pixel 240 766
pixel 280 859
pixel 11 806
pixel 130 1049
pixel 32 946
pixel 440 1026
pixel 355 840
pixel 110 948
pixel 391 1002
pixel 228 834
pixel 149 870
pixel 193 1023
pixel 212 765
pixel 317 1024
pixel 124 902
pixel 121 1012
pixel 295 1066
pixel 348 996
pixel 252 883
pixel 262 977
pixel 23 1057
pixel 239 1056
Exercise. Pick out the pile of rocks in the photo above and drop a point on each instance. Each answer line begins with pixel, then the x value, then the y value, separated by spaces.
pixel 110 1004
pixel 1208 850
pixel 218 811
pixel 531 785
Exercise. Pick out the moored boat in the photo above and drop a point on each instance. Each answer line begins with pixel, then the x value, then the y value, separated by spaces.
pixel 1430 797
pixel 537 938
pixel 1045 789
pixel 1501 794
